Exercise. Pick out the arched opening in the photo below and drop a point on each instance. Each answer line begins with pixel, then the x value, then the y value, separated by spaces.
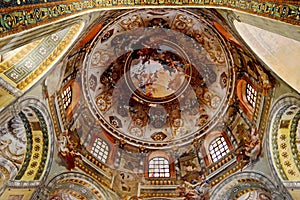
pixel 100 150
pixel 247 95
pixel 159 167
pixel 218 148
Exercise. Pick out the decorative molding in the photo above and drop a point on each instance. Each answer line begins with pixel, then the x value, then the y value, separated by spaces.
pixel 15 17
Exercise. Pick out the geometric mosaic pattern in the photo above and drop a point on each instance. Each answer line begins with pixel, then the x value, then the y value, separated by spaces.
pixel 29 63
pixel 20 18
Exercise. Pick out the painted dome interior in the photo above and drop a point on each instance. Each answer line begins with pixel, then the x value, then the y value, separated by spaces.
pixel 158 77
pixel 102 100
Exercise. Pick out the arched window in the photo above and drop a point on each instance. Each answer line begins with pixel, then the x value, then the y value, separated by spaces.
pixel 218 148
pixel 67 97
pixel 251 94
pixel 100 150
pixel 159 167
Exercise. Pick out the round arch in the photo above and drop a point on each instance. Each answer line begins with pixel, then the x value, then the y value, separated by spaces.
pixel 78 185
pixel 282 148
pixel 27 157
pixel 242 183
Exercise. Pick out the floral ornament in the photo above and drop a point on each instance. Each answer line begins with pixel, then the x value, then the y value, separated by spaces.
pixel 136 131
pixel 42 51
pixel 115 122
pixel 158 136
pixel 215 102
pixel 235 190
pixel 292 172
pixel 283 146
pixel 247 184
pixel 101 103
pixel 139 122
pixel 287 163
pixel 14 75
pixel 28 64
pixel 54 37
pixel 92 83
pixel 203 119
pixel 284 154
pixel 96 58
pixel 283 137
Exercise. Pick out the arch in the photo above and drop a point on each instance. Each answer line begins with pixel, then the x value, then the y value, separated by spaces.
pixel 159 164
pixel 281 146
pixel 31 130
pixel 28 135
pixel 209 140
pixel 76 185
pixel 263 44
pixel 241 183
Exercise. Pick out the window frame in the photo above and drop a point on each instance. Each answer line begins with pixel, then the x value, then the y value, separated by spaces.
pixel 67 96
pixel 100 150
pixel 218 150
pixel 159 167
pixel 251 95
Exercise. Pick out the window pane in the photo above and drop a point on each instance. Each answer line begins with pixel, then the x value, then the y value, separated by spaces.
pixel 218 148
pixel 159 167
pixel 100 150
pixel 251 94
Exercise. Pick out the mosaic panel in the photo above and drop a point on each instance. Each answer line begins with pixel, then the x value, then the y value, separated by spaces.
pixel 28 148
pixel 44 129
pixel 274 141
pixel 15 3
pixel 293 138
pixel 29 63
pixel 16 20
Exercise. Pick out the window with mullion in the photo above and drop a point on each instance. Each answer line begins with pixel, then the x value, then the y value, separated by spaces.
pixel 159 167
pixel 251 95
pixel 218 148
pixel 67 97
pixel 100 150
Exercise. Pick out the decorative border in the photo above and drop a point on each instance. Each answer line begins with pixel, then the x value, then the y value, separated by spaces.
pixel 293 134
pixel 16 58
pixel 32 76
pixel 35 55
pixel 274 142
pixel 44 130
pixel 28 148
pixel 19 18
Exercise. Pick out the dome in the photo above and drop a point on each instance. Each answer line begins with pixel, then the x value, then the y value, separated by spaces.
pixel 158 78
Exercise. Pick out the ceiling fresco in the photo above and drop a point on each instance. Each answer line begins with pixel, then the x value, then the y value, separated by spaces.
pixel 144 104
pixel 157 76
